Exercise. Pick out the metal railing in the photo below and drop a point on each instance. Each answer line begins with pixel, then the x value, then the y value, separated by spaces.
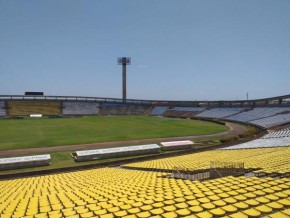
pixel 274 101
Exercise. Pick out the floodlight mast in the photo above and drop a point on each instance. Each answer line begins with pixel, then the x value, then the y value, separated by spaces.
pixel 124 61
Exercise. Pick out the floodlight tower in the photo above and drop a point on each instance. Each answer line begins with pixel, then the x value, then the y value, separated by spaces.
pixel 124 61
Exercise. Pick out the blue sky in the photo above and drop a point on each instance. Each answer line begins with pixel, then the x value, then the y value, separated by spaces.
pixel 180 50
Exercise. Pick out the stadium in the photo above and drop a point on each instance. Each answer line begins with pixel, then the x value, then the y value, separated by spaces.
pixel 199 126
pixel 170 177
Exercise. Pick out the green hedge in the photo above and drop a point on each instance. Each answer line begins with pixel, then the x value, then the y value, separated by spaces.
pixel 229 139
pixel 250 132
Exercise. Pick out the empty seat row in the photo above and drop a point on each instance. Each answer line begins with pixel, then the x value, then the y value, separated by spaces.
pixel 24 108
pixel 188 109
pixel 112 192
pixel 158 111
pixel 269 140
pixel 80 108
pixel 273 120
pixel 257 113
pixel 267 160
pixel 219 112
pixel 278 133
pixel 2 109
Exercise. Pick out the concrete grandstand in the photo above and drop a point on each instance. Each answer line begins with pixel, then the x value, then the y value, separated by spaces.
pixel 266 113
pixel 149 188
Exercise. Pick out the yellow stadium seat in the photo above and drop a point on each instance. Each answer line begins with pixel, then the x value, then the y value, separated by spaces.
pixel 285 202
pixel 279 215
pixel 203 200
pixel 275 205
pixel 146 207
pixel 218 212
pixel 264 209
pixel 262 200
pixel 196 209
pixel 143 214
pixel 214 197
pixel 100 212
pixel 287 211
pixel 157 205
pixel 86 215
pixel 125 206
pixel 239 215
pixel 281 194
pixel 134 210
pixel 82 210
pixel 183 212
pixel 252 202
pixel 137 204
pixel 157 211
pixel 181 205
pixel 113 209
pixel 252 212
pixel 241 205
pixel 121 213
pixel 56 215
pixel 229 208
pixel 109 215
pixel 73 216
pixel 169 215
pixel 130 216
pixel 69 213
pixel 193 202
pixel 41 215
pixel 204 214
pixel 190 216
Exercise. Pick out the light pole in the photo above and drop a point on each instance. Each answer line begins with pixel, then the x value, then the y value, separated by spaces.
pixel 124 61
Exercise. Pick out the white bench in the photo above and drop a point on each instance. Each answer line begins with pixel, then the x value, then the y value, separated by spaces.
pixel 116 152
pixel 36 115
pixel 175 145
pixel 23 162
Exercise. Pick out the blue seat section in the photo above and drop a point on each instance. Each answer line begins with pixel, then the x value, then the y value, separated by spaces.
pixel 278 138
pixel 278 133
pixel 80 108
pixel 183 112
pixel 258 113
pixel 2 109
pixel 219 112
pixel 188 109
pixel 158 110
pixel 262 116
pixel 273 120
pixel 112 108
pixel 114 104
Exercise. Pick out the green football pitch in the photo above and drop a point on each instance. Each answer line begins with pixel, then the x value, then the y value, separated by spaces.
pixel 47 132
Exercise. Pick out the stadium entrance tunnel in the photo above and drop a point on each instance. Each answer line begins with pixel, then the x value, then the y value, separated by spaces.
pixel 216 170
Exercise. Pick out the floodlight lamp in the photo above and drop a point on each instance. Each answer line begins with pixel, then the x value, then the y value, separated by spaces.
pixel 124 60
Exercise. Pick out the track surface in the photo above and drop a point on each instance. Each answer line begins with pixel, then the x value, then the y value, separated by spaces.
pixel 234 129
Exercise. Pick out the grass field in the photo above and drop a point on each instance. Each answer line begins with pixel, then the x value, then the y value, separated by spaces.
pixel 45 132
